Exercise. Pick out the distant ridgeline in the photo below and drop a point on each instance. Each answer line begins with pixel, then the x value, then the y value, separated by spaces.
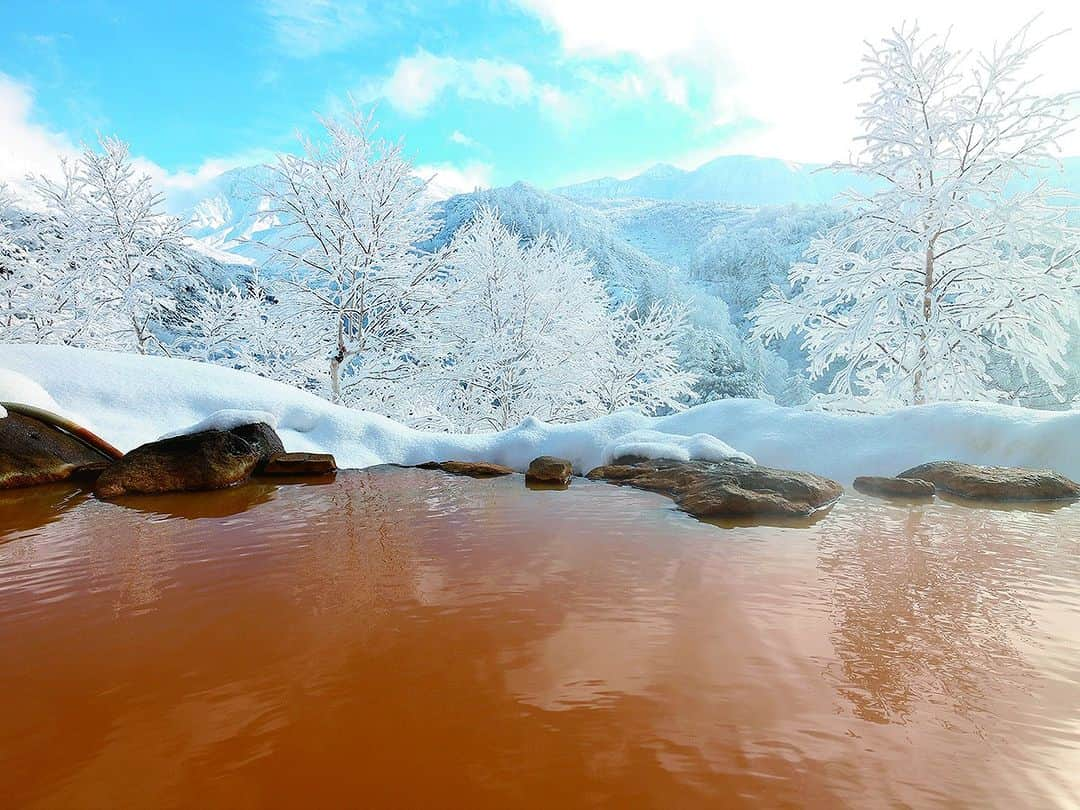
pixel 716 237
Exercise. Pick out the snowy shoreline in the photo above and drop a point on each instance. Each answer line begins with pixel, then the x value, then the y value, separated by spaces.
pixel 130 399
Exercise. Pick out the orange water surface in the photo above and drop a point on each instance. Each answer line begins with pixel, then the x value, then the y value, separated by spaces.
pixel 403 638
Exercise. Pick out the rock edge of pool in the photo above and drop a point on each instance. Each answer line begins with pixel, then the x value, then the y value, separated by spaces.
pixel 38 447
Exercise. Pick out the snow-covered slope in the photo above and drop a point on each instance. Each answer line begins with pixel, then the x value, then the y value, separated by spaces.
pixel 532 211
pixel 130 399
pixel 232 213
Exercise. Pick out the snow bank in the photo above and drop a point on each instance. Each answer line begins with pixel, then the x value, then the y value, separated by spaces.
pixel 131 399
pixel 225 420
pixel 653 444
pixel 20 388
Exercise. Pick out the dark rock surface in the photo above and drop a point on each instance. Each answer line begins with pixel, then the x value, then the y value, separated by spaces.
pixel 33 452
pixel 549 470
pixel 709 489
pixel 473 469
pixel 995 483
pixel 300 464
pixel 210 459
pixel 263 439
pixel 894 487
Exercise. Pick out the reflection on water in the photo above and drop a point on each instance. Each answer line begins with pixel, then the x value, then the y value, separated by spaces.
pixel 407 638
pixel 23 509
pixel 195 505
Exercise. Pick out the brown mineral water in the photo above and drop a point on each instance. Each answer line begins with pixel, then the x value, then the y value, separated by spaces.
pixel 401 638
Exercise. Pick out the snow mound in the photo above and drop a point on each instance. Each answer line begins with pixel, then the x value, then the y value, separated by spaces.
pixel 653 444
pixel 21 389
pixel 131 399
pixel 226 419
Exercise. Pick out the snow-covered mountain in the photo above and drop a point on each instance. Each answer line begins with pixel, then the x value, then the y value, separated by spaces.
pixel 233 212
pixel 623 266
pixel 746 180
pixel 737 179
pixel 661 216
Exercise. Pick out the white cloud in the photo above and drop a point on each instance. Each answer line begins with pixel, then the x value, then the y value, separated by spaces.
pixel 306 28
pixel 446 180
pixel 184 188
pixel 26 146
pixel 786 66
pixel 459 137
pixel 634 85
pixel 419 81
pixel 29 147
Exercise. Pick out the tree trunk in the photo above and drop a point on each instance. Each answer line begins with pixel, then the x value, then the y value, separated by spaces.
pixel 337 360
pixel 927 313
pixel 335 378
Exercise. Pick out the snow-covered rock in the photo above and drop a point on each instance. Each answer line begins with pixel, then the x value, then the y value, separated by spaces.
pixel 133 399
pixel 654 444
pixel 226 419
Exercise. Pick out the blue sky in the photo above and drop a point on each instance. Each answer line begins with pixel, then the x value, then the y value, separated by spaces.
pixel 488 92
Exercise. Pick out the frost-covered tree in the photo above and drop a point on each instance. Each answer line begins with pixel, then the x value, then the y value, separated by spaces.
pixel 958 258
pixel 642 367
pixel 351 215
pixel 239 325
pixel 107 252
pixel 531 331
pixel 727 374
pixel 18 278
pixel 526 327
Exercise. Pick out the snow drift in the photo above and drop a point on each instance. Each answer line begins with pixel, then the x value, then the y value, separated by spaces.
pixel 132 399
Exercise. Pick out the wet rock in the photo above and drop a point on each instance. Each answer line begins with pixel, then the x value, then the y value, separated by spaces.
pixel 894 487
pixel 89 473
pixel 33 452
pixel 301 464
pixel 995 483
pixel 210 459
pixel 473 469
pixel 549 470
pixel 263 439
pixel 714 489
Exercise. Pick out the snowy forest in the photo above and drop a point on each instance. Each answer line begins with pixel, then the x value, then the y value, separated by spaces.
pixel 947 270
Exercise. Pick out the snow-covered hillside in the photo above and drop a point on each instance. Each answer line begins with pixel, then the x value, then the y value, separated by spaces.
pixel 622 266
pixel 130 399
pixel 717 236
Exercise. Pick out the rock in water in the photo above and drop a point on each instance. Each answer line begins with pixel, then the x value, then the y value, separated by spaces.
pixel 714 489
pixel 32 452
pixel 300 464
pixel 263 438
pixel 473 469
pixel 894 487
pixel 995 483
pixel 549 470
pixel 210 459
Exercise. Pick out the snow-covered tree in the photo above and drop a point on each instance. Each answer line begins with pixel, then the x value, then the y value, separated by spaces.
pixel 239 326
pixel 351 216
pixel 108 254
pixel 726 374
pixel 642 366
pixel 18 278
pixel 526 326
pixel 958 258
